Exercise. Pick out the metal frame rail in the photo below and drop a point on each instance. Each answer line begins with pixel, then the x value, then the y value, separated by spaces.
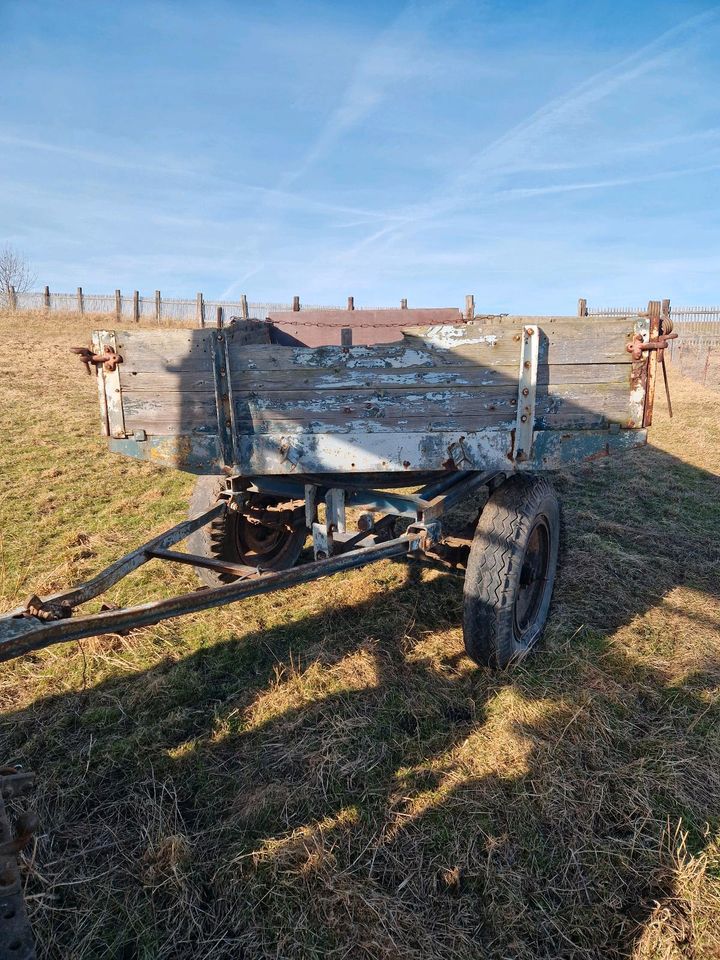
pixel 16 830
pixel 45 621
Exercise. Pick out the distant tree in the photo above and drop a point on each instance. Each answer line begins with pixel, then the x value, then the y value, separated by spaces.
pixel 14 272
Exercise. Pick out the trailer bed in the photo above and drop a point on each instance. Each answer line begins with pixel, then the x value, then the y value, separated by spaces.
pixel 517 392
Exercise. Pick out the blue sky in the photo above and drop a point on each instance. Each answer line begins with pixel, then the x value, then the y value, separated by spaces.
pixel 530 153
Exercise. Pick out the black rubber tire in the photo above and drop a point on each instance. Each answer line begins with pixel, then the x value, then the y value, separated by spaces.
pixel 223 538
pixel 503 577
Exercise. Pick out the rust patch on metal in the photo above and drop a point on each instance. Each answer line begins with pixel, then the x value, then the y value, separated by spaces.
pixel 108 358
pixel 15 935
pixel 46 610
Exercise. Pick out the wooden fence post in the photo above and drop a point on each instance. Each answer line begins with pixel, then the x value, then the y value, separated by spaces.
pixel 403 304
pixel 46 298
pixel 469 306
pixel 296 304
pixel 118 305
pixel 244 307
pixel 351 303
pixel 80 300
pixel 157 305
pixel 13 298
pixel 582 308
pixel 136 306
pixel 200 310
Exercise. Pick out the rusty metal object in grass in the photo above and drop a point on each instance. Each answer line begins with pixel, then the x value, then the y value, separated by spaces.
pixel 16 939
pixel 108 358
pixel 46 609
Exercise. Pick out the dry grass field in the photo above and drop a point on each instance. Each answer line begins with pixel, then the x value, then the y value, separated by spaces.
pixel 322 773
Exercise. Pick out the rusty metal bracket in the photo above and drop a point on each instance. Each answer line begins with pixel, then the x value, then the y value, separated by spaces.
pixel 657 346
pixel 639 346
pixel 46 609
pixel 527 388
pixel 16 939
pixel 108 358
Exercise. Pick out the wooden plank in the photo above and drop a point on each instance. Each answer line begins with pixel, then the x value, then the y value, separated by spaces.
pixel 191 409
pixel 412 378
pixel 285 383
pixel 177 352
pixel 182 353
pixel 421 401
pixel 178 413
pixel 113 406
pixel 569 415
pixel 484 351
pixel 486 449
pixel 568 327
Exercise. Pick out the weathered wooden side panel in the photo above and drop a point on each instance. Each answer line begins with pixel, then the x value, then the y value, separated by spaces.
pixel 445 395
pixel 387 453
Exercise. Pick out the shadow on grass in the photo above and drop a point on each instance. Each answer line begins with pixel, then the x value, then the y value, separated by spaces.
pixel 351 785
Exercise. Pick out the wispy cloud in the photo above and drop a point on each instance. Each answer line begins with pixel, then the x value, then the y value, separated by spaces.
pixel 478 178
pixel 392 59
pixel 200 180
pixel 116 161
pixel 604 184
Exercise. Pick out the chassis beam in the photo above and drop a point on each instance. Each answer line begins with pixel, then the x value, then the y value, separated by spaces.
pixel 46 621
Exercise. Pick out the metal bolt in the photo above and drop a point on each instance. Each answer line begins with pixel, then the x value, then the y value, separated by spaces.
pixel 525 391
pixel 523 419
pixel 527 364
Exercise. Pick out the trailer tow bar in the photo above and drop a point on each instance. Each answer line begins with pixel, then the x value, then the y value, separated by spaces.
pixel 42 622
pixel 21 632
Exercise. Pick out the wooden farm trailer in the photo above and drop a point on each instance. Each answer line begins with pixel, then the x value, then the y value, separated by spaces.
pixel 321 424
pixel 299 423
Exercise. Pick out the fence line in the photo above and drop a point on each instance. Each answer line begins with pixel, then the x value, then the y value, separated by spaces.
pixel 157 307
pixel 703 322
pixel 136 307
pixel 700 320
pixel 696 351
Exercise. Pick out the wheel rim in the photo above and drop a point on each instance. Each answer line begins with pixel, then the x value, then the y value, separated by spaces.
pixel 258 543
pixel 533 581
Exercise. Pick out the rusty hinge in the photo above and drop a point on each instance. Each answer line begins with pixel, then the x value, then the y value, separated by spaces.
pixel 658 345
pixel 108 358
